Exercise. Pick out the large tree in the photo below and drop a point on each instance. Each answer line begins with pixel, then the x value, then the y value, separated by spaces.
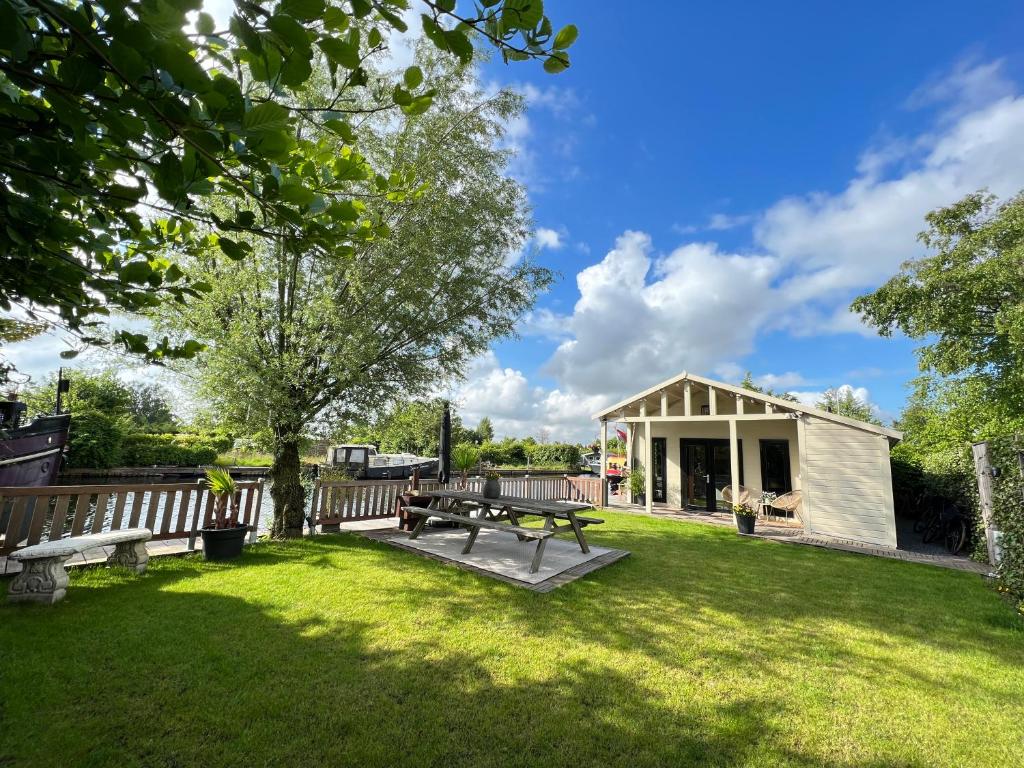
pixel 966 299
pixel 118 119
pixel 298 336
pixel 845 402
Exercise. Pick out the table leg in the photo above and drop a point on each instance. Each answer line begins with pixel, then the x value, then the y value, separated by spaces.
pixel 471 540
pixel 578 530
pixel 513 519
pixel 535 565
pixel 418 529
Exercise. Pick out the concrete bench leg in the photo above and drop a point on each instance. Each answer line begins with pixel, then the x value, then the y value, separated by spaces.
pixel 130 554
pixel 40 581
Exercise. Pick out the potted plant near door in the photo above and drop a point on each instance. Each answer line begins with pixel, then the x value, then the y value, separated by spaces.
pixel 638 485
pixel 745 518
pixel 224 539
pixel 492 484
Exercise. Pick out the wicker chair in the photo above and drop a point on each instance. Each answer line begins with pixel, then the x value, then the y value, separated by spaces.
pixel 788 502
pixel 749 497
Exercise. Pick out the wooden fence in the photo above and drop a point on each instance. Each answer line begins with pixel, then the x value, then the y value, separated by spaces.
pixel 170 511
pixel 336 501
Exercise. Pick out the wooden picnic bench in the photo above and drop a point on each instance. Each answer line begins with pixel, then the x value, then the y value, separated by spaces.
pixel 42 578
pixel 474 524
pixel 493 512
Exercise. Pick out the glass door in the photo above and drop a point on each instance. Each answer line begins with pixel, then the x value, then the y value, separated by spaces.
pixel 695 473
pixel 707 470
pixel 658 468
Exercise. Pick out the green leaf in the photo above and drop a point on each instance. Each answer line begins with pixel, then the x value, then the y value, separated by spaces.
pixel 557 62
pixel 522 14
pixel 68 354
pixel 234 251
pixel 361 8
pixel 413 77
pixel 341 52
pixel 245 32
pixel 205 24
pixel 341 128
pixel 374 38
pixel 135 272
pixel 566 36
pixel 290 31
pixel 307 10
pixel 292 191
pixel 266 118
pixel 335 19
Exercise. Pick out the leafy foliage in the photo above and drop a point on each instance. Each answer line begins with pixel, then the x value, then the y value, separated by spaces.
pixel 410 427
pixel 222 486
pixel 181 450
pixel 844 402
pixel 306 336
pixel 485 430
pixel 138 405
pixel 748 383
pixel 94 441
pixel 116 121
pixel 967 299
pixel 1008 512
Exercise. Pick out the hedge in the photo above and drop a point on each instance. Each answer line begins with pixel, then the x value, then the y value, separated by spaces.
pixel 517 452
pixel 184 450
pixel 95 441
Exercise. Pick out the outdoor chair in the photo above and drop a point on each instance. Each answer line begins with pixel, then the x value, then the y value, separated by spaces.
pixel 749 497
pixel 788 503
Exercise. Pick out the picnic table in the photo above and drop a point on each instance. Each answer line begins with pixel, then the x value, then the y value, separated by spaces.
pixel 457 506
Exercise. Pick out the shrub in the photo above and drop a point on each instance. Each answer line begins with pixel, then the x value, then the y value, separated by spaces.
pixel 95 441
pixel 183 450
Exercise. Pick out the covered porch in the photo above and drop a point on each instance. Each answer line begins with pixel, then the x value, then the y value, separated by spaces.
pixel 702 444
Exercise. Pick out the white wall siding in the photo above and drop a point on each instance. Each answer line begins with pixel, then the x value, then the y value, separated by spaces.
pixel 848 483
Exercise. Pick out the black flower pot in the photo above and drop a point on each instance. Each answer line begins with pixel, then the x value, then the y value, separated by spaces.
pixel 223 543
pixel 745 523
pixel 641 499
pixel 492 488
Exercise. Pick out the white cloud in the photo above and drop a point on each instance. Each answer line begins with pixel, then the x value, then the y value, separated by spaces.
pixel 642 317
pixel 548 238
pixel 643 314
pixel 518 409
pixel 723 221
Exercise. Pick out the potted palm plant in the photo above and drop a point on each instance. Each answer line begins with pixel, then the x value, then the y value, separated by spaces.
pixel 745 518
pixel 464 458
pixel 224 539
pixel 638 485
pixel 492 484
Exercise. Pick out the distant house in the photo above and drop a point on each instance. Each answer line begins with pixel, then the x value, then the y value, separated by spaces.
pixel 698 437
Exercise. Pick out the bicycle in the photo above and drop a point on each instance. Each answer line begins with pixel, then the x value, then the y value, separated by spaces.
pixel 947 521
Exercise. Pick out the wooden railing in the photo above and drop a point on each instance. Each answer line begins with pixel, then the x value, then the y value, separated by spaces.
pixel 170 511
pixel 336 501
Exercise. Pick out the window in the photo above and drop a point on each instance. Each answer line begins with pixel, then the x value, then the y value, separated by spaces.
pixel 357 456
pixel 705 410
pixel 775 474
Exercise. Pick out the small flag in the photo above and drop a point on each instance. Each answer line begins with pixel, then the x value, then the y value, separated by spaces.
pixel 620 433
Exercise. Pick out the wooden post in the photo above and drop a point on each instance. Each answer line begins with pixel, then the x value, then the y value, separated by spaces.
pixel 739 404
pixel 604 462
pixel 648 468
pixel 983 470
pixel 687 408
pixel 416 478
pixel 664 403
pixel 769 408
pixel 712 401
pixel 734 461
pixel 643 409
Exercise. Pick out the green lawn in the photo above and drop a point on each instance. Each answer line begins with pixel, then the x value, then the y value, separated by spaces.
pixel 700 648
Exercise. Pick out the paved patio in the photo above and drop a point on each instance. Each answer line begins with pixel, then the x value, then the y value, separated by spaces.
pixel 793 534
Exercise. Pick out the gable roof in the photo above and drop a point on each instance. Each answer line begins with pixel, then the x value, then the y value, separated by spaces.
pixel 778 402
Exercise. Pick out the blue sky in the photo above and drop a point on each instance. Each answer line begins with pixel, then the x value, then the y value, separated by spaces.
pixel 715 182
pixel 769 163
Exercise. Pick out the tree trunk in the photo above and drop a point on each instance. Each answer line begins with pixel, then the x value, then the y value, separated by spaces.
pixel 286 487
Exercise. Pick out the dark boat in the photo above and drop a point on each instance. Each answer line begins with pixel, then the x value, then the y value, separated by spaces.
pixel 32 453
pixel 363 462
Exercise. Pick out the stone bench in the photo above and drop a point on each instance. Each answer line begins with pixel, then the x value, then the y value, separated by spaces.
pixel 42 578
